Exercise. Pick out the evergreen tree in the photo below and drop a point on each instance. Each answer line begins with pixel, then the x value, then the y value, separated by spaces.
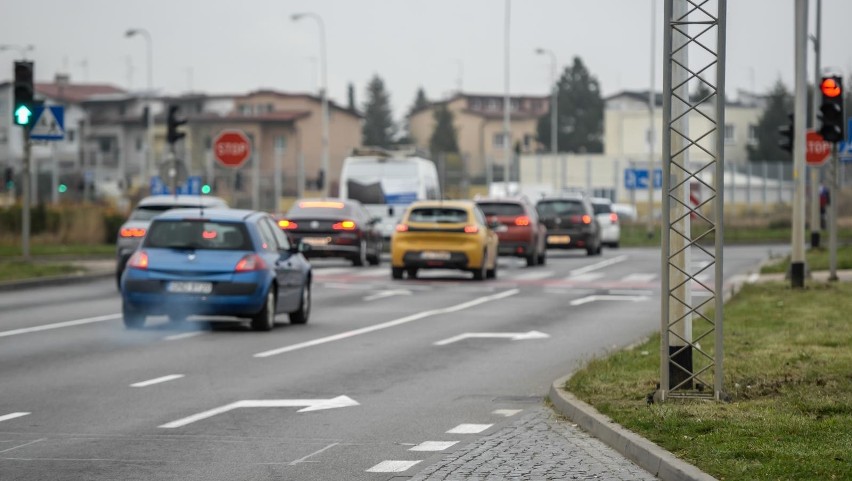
pixel 444 138
pixel 580 110
pixel 379 128
pixel 420 101
pixel 779 105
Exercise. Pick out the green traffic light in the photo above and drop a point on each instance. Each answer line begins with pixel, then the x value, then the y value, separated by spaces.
pixel 62 188
pixel 23 114
pixel 205 189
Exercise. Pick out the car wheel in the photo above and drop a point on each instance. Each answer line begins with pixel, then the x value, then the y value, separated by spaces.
pixel 176 318
pixel 361 260
pixel 614 245
pixel 492 273
pixel 591 250
pixel 376 258
pixel 301 315
pixel 133 319
pixel 265 319
pixel 481 272
pixel 396 272
pixel 412 273
pixel 532 259
pixel 542 258
pixel 118 274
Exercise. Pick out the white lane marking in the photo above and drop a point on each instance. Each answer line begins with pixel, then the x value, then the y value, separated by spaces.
pixel 170 377
pixel 629 292
pixel 310 405
pixel 433 445
pixel 513 336
pixel 385 325
pixel 59 325
pixel 469 428
pixel 185 335
pixel 588 277
pixel 392 466
pixel 506 412
pixel 640 277
pixel 598 265
pixel 588 299
pixel 388 293
pixel 531 276
pixel 302 460
pixel 373 273
pixel 23 445
pixel 331 271
pixel 9 416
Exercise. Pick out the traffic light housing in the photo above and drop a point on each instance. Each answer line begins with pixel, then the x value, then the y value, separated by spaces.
pixel 24 93
pixel 831 109
pixel 785 136
pixel 173 122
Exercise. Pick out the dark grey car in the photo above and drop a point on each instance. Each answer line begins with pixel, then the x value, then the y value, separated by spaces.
pixel 571 223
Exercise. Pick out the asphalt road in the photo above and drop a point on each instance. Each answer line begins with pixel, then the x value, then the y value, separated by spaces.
pixel 386 378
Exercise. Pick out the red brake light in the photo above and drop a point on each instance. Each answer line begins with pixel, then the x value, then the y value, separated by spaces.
pixel 132 232
pixel 522 220
pixel 613 217
pixel 209 234
pixel 139 260
pixel 287 224
pixel 587 219
pixel 471 229
pixel 344 225
pixel 250 262
pixel 401 228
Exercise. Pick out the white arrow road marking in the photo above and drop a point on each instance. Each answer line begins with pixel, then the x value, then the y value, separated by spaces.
pixel 588 299
pixel 469 428
pixel 11 416
pixel 170 377
pixel 598 265
pixel 433 445
pixel 389 293
pixel 513 336
pixel 385 325
pixel 58 325
pixel 392 466
pixel 309 405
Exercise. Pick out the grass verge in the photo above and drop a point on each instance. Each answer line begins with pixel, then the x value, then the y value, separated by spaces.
pixel 14 250
pixel 815 259
pixel 788 370
pixel 17 270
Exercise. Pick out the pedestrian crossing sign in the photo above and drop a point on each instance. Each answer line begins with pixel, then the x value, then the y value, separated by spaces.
pixel 49 123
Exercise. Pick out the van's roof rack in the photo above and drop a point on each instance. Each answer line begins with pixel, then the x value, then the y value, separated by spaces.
pixel 397 151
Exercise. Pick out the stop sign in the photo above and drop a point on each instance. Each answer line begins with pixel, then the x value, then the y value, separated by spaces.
pixel 231 148
pixel 817 150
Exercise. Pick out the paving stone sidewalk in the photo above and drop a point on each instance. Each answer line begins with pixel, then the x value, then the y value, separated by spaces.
pixel 538 446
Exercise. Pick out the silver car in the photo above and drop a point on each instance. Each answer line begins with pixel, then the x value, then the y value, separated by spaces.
pixel 135 227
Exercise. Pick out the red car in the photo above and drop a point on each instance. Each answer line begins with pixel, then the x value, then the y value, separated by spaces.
pixel 520 232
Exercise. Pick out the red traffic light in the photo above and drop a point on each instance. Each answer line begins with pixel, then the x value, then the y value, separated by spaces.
pixel 830 87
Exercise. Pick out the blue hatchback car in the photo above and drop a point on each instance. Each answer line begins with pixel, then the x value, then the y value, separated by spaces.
pixel 216 262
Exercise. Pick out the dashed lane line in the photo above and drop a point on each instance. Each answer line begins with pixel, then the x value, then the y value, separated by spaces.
pixel 469 428
pixel 385 325
pixel 598 265
pixel 9 416
pixel 158 380
pixel 506 412
pixel 393 466
pixel 433 446
pixel 59 325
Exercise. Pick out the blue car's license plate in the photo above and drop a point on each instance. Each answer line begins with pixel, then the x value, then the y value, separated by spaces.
pixel 184 287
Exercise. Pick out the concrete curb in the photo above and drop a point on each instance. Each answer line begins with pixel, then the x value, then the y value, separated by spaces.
pixel 644 453
pixel 53 281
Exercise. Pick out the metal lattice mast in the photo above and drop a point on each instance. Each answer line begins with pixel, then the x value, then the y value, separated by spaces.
pixel 692 204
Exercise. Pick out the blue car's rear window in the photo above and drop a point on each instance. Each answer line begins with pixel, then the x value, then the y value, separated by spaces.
pixel 198 234
pixel 437 214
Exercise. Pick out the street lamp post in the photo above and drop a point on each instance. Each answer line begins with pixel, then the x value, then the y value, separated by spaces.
pixel 148 162
pixel 324 94
pixel 554 115
pixel 507 139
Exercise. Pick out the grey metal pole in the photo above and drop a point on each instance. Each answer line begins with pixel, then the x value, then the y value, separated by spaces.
pixel 276 181
pixel 255 176
pixel 300 176
pixel 25 196
pixel 651 120
pixel 665 313
pixel 719 204
pixel 507 139
pixel 54 175
pixel 814 171
pixel 797 263
pixel 834 195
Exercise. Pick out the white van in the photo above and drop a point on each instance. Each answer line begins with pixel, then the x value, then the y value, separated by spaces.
pixel 386 182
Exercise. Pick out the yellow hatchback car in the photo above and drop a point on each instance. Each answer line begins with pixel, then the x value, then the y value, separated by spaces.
pixel 438 234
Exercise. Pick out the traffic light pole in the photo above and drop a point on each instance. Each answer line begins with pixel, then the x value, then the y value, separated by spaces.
pixel 25 195
pixel 816 222
pixel 833 194
pixel 797 262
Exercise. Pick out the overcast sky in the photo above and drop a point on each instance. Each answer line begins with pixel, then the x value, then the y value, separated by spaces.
pixel 219 46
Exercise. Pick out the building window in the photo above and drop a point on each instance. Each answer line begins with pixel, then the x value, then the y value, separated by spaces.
pixel 752 134
pixel 270 107
pixel 729 134
pixel 498 140
pixel 280 143
pixel 493 104
pixel 474 104
pixel 138 144
pixel 245 109
pixel 70 134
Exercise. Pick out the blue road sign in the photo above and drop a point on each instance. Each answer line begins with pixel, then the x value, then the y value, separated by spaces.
pixel 48 123
pixel 844 149
pixel 191 187
pixel 638 178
